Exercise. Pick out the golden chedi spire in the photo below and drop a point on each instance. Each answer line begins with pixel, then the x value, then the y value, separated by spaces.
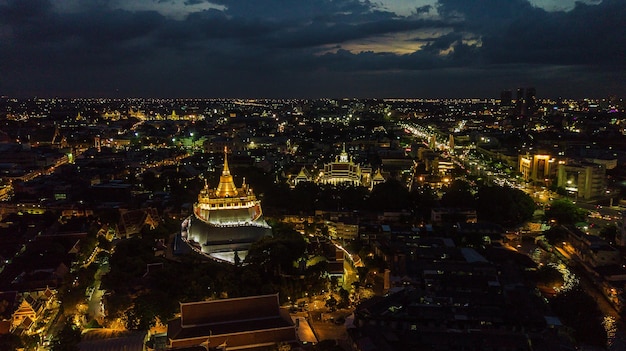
pixel 226 187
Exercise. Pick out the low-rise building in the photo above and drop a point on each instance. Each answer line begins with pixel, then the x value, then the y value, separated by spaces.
pixel 593 250
pixel 453 215
pixel 237 323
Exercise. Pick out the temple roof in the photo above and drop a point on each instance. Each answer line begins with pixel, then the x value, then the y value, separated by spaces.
pixel 226 187
pixel 228 316
pixel 378 176
pixel 303 174
pixel 229 310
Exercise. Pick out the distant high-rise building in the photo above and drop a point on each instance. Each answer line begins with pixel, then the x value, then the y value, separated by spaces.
pixel 520 103
pixel 520 94
pixel 525 100
pixel 530 99
pixel 506 98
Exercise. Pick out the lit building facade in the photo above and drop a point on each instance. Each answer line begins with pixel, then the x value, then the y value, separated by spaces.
pixel 585 181
pixel 537 168
pixel 344 171
pixel 225 220
pixel 302 177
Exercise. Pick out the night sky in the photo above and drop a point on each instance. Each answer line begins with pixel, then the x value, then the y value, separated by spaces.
pixel 311 48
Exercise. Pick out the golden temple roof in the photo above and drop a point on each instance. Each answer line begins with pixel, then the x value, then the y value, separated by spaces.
pixel 378 176
pixel 226 187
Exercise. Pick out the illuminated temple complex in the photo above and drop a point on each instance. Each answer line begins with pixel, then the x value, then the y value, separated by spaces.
pixel 225 220
pixel 343 170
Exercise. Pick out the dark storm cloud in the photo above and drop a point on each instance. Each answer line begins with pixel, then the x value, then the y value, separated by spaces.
pixel 194 2
pixel 18 12
pixel 486 13
pixel 295 10
pixel 426 59
pixel 321 33
pixel 515 32
pixel 43 39
pixel 25 14
pixel 443 42
pixel 281 41
pixel 423 9
pixel 207 30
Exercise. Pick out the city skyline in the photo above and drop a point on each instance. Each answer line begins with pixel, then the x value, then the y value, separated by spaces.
pixel 312 49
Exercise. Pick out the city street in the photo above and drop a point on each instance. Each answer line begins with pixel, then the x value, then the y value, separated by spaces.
pixel 316 322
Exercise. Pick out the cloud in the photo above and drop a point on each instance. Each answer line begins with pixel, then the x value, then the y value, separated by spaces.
pixel 18 12
pixel 423 9
pixel 295 10
pixel 101 44
pixel 516 32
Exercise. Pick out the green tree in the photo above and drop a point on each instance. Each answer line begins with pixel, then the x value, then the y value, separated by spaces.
pixel 334 282
pixel 458 194
pixel 331 303
pixel 555 235
pixel 278 253
pixel 564 211
pixel 390 195
pixel 579 311
pixel 141 316
pixel 30 341
pixel 549 276
pixel 352 197
pixel 87 246
pixel 151 182
pixel 504 205
pixel 344 298
pixel 362 272
pixel 10 342
pixel 67 339
pixel 609 233
pixel 116 305
pixel 109 216
pixel 71 296
pixel 104 244
pixel 423 199
pixel 304 195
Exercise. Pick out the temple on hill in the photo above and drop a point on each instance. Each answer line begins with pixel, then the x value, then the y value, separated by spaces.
pixel 225 220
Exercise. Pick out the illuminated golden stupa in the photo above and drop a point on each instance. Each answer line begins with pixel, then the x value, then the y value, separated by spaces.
pixel 225 220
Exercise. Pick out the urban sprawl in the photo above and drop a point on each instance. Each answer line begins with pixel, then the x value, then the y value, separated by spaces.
pixel 329 224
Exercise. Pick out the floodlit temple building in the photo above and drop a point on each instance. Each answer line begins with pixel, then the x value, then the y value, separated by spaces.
pixel 344 171
pixel 225 220
pixel 251 323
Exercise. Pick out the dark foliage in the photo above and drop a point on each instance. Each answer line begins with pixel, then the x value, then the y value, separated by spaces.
pixel 564 211
pixel 503 205
pixel 67 339
pixel 579 311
